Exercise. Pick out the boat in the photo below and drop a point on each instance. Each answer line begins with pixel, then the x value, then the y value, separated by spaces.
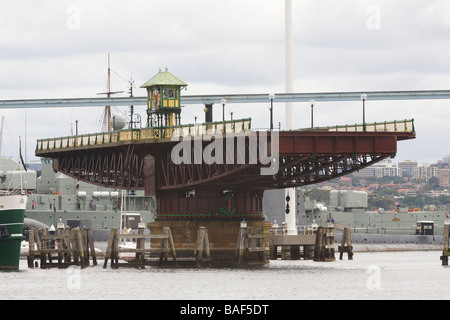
pixel 12 211
pixel 53 196
pixel 350 207
pixel 402 229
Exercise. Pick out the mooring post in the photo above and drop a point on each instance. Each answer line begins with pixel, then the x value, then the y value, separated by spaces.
pixel 318 248
pixel 109 248
pixel 90 242
pixel 43 248
pixel 202 247
pixel 329 243
pixel 31 248
pixel 445 243
pixel 242 244
pixel 346 239
pixel 67 237
pixel 61 245
pixel 140 245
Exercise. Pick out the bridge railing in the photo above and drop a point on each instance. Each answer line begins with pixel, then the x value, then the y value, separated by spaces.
pixel 387 126
pixel 233 126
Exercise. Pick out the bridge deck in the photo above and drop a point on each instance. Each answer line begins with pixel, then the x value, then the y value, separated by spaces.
pixel 144 158
pixel 404 128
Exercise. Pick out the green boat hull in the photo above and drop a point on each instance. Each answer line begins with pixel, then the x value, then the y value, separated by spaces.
pixel 10 254
pixel 11 228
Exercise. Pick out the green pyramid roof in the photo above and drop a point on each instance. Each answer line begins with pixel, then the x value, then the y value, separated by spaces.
pixel 165 79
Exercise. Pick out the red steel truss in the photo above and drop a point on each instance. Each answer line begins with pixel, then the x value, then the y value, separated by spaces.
pixel 303 158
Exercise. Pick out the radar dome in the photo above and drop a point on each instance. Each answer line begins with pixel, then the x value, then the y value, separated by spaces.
pixel 118 121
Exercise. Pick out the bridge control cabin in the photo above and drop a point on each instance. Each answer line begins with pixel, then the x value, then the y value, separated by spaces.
pixel 163 104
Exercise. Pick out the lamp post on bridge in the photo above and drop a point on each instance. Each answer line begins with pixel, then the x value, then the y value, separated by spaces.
pixel 223 108
pixel 312 102
pixel 271 97
pixel 364 98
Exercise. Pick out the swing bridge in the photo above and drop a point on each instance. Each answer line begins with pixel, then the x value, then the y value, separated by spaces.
pixel 142 159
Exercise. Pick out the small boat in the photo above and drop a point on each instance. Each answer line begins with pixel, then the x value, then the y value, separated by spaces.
pixel 12 210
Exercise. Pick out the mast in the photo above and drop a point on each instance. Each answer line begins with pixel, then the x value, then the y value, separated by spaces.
pixel 108 94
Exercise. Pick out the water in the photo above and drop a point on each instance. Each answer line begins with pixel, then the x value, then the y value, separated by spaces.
pixel 388 275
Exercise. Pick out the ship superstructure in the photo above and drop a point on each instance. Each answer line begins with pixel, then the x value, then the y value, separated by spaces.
pixel 53 196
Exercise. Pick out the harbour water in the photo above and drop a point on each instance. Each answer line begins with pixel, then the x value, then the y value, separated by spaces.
pixel 370 276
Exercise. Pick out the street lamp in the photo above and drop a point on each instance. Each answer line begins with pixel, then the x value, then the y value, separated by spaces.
pixel 195 124
pixel 223 108
pixel 231 114
pixel 312 102
pixel 364 98
pixel 271 97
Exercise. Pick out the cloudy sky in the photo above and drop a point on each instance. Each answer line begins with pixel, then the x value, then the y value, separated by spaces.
pixel 57 49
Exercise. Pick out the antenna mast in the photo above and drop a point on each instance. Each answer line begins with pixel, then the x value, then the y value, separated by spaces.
pixel 108 94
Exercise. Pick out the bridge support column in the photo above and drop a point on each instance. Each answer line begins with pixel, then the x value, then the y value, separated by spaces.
pixel 290 211
pixel 210 204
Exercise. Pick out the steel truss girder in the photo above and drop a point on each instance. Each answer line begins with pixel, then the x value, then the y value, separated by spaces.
pixel 121 168
pixel 304 158
pixel 298 171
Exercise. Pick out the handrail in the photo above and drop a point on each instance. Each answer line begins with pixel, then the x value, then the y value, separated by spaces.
pixel 156 133
pixel 387 126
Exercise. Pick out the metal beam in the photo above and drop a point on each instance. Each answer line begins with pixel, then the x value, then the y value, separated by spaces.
pixel 231 98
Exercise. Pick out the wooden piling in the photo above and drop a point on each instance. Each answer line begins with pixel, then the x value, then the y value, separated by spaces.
pixel 203 254
pixel 250 246
pixel 318 248
pixel 31 244
pixel 445 243
pixel 64 245
pixel 346 244
pixel 324 249
pixel 108 253
pixel 242 244
pixel 141 253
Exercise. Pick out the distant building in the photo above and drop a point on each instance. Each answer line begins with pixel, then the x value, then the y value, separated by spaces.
pixel 425 173
pixel 437 193
pixel 443 177
pixel 385 168
pixel 406 167
pixel 446 160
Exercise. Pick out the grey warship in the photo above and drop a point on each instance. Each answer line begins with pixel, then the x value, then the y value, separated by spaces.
pixel 55 197
pixel 377 230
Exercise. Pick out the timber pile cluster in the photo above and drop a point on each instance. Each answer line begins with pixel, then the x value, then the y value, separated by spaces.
pixel 65 248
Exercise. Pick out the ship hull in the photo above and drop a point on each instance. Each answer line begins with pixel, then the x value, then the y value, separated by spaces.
pixel 402 223
pixel 12 210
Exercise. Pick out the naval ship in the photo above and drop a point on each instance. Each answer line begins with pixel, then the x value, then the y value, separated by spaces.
pixel 54 197
pixel 349 207
pixel 379 230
